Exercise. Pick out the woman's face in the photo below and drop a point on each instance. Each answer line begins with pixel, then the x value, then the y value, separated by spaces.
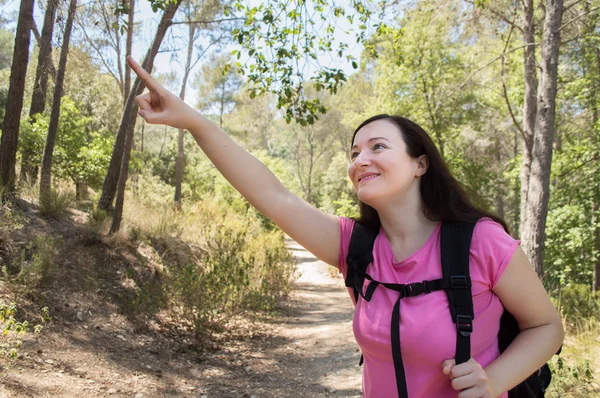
pixel 380 168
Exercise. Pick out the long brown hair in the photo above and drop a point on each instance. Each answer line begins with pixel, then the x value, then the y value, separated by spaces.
pixel 444 197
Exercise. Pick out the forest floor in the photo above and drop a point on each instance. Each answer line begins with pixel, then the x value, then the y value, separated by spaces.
pixel 91 348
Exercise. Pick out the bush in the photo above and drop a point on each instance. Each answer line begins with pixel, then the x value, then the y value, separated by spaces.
pixel 573 371
pixel 37 261
pixel 216 259
pixel 13 330
pixel 579 304
pixel 571 379
pixel 243 268
pixel 9 223
pixel 54 205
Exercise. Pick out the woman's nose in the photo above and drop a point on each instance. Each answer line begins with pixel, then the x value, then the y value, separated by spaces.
pixel 362 159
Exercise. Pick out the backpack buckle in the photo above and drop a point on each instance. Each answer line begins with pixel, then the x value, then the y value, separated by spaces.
pixel 459 282
pixel 413 289
pixel 464 325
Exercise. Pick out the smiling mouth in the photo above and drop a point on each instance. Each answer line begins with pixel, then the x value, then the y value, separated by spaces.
pixel 368 177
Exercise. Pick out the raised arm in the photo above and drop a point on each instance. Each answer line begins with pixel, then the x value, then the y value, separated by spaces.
pixel 315 230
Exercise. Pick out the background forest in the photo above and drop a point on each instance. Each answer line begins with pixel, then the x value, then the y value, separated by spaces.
pixel 508 90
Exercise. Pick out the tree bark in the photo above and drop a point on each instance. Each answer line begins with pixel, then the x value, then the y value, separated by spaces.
pixel 40 86
pixel 596 206
pixel 500 186
pixel 14 105
pixel 595 213
pixel 129 116
pixel 46 174
pixel 128 45
pixel 179 162
pixel 530 104
pixel 534 227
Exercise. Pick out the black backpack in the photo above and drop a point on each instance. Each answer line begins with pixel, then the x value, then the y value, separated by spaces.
pixel 456 282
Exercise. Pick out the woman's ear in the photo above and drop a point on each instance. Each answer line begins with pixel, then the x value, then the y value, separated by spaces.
pixel 422 165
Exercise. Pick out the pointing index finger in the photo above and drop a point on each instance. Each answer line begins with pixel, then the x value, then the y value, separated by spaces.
pixel 142 73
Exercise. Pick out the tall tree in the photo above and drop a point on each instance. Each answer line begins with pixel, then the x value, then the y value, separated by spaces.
pixel 40 85
pixel 46 173
pixel 538 193
pixel 217 87
pixel 129 115
pixel 128 45
pixel 127 127
pixel 529 104
pixel 103 24
pixel 192 11
pixel 14 106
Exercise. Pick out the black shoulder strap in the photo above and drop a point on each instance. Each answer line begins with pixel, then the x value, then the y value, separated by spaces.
pixel 360 255
pixel 455 246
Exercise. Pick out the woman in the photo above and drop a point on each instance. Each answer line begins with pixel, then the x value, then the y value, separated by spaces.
pixel 405 188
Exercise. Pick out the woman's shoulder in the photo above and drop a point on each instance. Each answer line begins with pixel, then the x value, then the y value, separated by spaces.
pixel 492 248
pixel 486 226
pixel 346 223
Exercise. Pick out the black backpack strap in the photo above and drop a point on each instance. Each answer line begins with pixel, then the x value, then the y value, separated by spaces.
pixel 455 246
pixel 360 255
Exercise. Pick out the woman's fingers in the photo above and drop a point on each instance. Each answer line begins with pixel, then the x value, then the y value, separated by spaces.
pixel 463 382
pixel 447 366
pixel 144 101
pixel 143 75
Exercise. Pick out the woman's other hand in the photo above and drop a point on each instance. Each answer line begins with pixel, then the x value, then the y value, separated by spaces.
pixel 470 379
pixel 158 105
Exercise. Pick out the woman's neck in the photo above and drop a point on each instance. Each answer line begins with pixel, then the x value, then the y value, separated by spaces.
pixel 406 228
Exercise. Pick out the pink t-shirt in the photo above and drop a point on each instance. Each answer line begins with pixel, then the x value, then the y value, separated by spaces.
pixel 427 333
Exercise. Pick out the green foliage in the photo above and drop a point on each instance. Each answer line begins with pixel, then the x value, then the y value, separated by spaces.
pixel 6 48
pixel 243 268
pixel 32 139
pixel 80 155
pixel 55 204
pixel 217 86
pixel 13 331
pixel 282 38
pixel 579 304
pixel 571 379
pixel 570 251
pixel 10 223
pixel 4 81
pixel 339 197
pixel 574 371
pixel 38 265
pixel 215 259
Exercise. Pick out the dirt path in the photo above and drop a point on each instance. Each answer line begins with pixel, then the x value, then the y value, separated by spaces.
pixel 91 350
pixel 323 346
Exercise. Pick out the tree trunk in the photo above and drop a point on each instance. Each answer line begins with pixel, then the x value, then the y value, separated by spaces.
pixel 596 206
pixel 46 173
pixel 539 180
pixel 129 44
pixel 500 186
pixel 179 162
pixel 128 123
pixel 40 86
pixel 595 213
pixel 530 104
pixel 14 102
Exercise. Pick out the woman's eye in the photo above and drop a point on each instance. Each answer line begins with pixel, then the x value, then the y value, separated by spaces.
pixel 353 155
pixel 378 145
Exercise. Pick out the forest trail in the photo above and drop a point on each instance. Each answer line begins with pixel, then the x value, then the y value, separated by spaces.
pixel 321 330
pixel 91 350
